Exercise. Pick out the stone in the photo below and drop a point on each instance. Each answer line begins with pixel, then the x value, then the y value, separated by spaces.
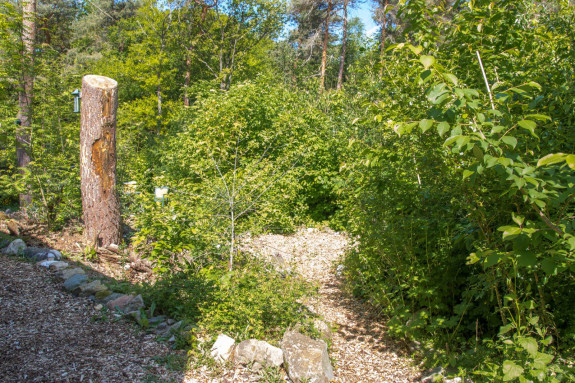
pixel 67 273
pixel 100 295
pixel 176 326
pixel 91 288
pixel 154 321
pixel 98 307
pixel 38 254
pixel 135 304
pixel 171 321
pixel 258 351
pixel 457 379
pixel 110 297
pixel 57 265
pixel 46 264
pixel 222 348
pixel 161 326
pixel 306 359
pixel 75 281
pixel 126 303
pixel 57 255
pixel 16 247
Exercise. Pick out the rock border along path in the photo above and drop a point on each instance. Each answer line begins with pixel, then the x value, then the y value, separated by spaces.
pixel 360 347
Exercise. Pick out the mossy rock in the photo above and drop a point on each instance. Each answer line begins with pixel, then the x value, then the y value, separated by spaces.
pixel 102 294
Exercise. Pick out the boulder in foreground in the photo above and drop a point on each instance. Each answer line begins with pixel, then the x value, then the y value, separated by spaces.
pixel 306 359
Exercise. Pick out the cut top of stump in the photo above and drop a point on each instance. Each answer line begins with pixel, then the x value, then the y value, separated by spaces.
pixel 100 82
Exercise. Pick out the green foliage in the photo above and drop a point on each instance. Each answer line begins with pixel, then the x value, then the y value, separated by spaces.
pixel 248 159
pixel 499 223
pixel 252 301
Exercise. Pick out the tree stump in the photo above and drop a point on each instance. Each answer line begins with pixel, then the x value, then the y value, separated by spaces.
pixel 100 203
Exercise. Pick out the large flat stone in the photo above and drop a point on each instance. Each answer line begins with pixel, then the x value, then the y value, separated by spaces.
pixel 67 273
pixel 75 281
pixel 126 303
pixel 16 247
pixel 91 288
pixel 306 359
pixel 258 351
pixel 222 348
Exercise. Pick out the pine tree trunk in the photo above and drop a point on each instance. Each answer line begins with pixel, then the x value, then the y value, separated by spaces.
pixel 100 203
pixel 343 43
pixel 324 50
pixel 25 94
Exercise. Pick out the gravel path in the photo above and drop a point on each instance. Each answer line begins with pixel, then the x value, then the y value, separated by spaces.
pixel 361 349
pixel 51 336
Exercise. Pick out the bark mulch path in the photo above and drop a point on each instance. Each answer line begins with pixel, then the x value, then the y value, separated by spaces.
pixel 48 335
pixel 360 347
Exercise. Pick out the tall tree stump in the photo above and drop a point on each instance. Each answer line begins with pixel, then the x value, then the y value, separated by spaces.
pixel 100 203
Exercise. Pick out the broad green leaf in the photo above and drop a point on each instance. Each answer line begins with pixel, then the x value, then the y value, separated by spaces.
pixel 492 259
pixel 526 258
pixel 511 371
pixel 509 231
pixel 467 173
pixel 540 117
pixel 425 125
pixel 541 360
pixel 427 61
pixel 529 344
pixel 478 153
pixel 451 78
pixel 505 329
pixel 570 160
pixel 472 258
pixel 548 266
pixel 518 219
pixel 509 140
pixel 527 124
pixel 442 128
pixel 551 159
pixel 417 50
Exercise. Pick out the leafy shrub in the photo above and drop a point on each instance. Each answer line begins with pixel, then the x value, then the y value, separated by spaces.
pixel 252 301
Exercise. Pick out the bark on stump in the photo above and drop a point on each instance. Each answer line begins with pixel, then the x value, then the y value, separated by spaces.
pixel 100 203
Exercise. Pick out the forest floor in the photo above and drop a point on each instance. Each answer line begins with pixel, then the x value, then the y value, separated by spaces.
pixel 53 334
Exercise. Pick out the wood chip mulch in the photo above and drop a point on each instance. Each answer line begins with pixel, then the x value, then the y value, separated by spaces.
pixel 360 347
pixel 48 335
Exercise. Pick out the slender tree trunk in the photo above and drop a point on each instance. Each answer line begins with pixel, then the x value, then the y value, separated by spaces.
pixel 25 93
pixel 383 37
pixel 100 203
pixel 324 50
pixel 343 46
pixel 187 77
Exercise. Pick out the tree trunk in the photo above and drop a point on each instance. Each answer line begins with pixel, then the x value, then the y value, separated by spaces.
pixel 25 93
pixel 324 50
pixel 343 45
pixel 100 203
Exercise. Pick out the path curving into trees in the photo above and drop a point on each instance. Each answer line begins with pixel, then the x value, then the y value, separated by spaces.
pixel 361 349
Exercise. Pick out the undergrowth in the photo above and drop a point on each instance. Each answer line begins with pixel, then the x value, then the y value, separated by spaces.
pixel 252 301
